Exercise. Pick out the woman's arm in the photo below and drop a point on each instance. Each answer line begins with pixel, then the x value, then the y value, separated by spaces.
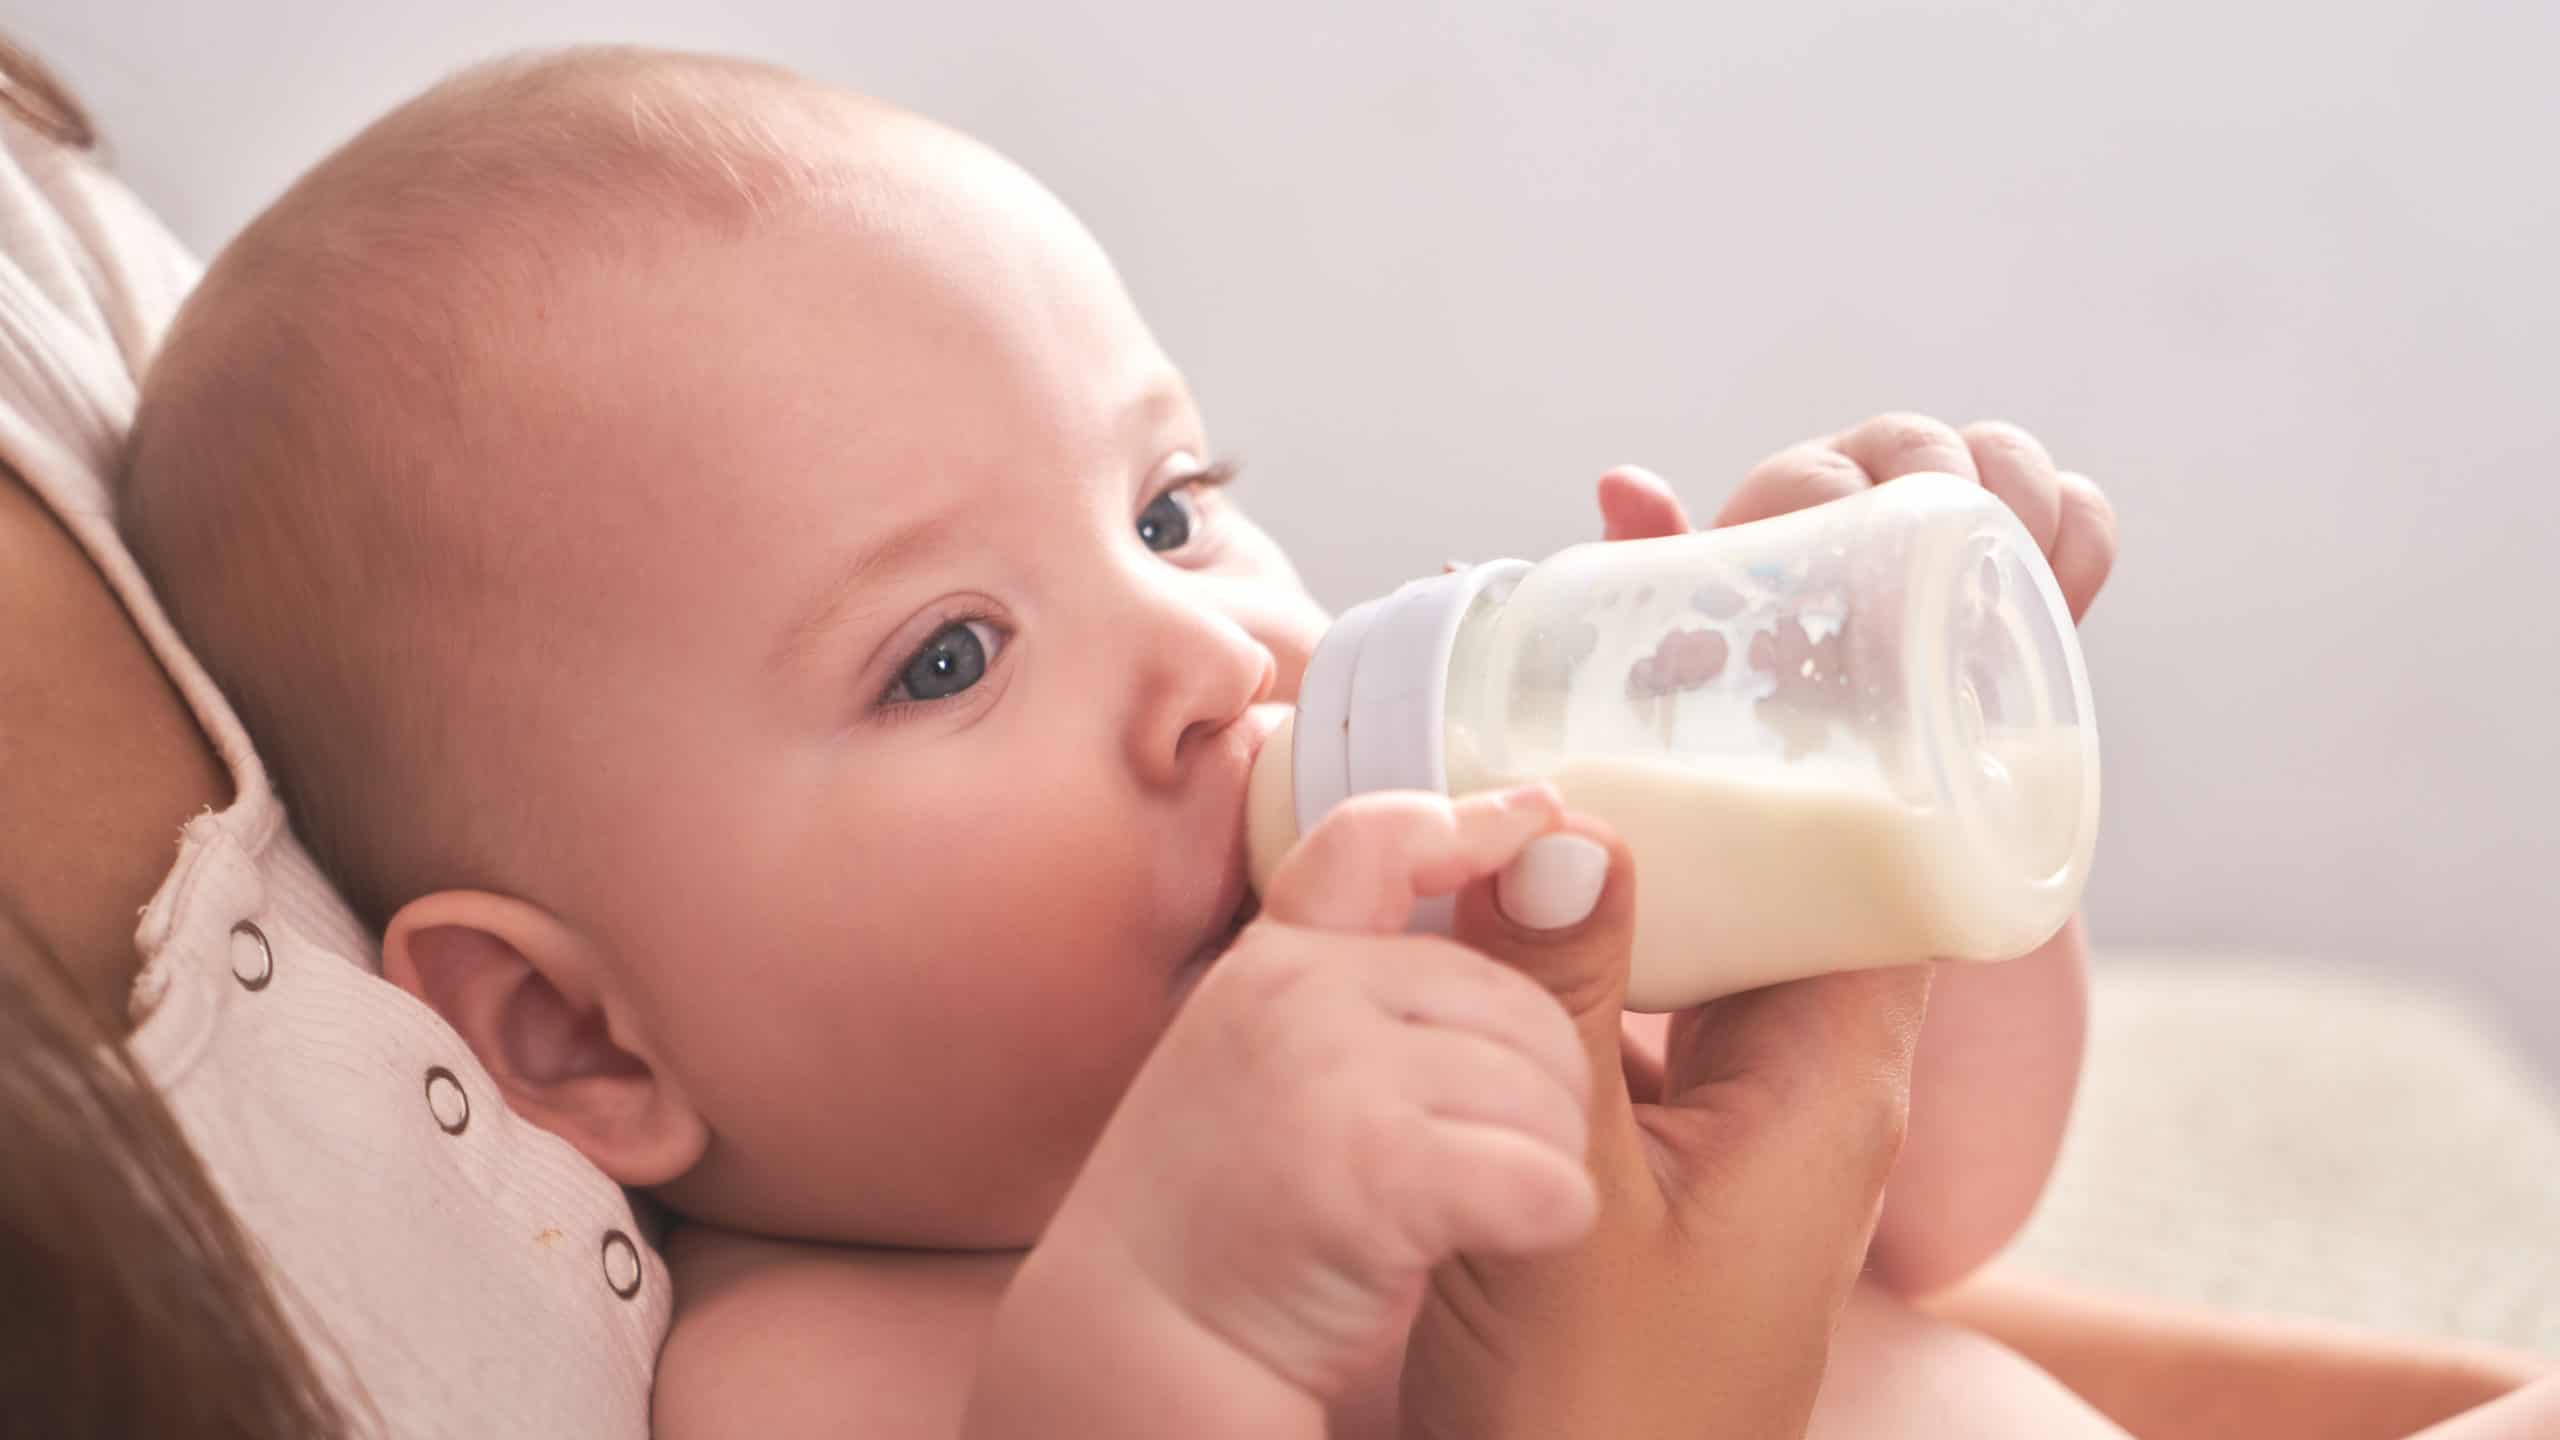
pixel 100 761
pixel 2168 1372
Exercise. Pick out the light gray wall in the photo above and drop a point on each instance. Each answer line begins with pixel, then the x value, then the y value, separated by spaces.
pixel 2282 275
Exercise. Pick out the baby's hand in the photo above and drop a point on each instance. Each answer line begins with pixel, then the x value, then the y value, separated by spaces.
pixel 2065 512
pixel 1339 1106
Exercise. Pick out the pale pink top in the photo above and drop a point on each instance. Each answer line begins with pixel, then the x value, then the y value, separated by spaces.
pixel 455 1271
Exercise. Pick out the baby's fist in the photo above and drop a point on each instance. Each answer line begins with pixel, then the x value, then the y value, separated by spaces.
pixel 2064 510
pixel 1340 1106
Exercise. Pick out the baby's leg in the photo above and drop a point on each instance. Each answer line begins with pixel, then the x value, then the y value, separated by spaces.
pixel 1896 1372
pixel 2532 1413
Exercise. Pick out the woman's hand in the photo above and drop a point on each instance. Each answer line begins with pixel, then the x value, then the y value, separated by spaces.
pixel 1738 1186
pixel 1741 1164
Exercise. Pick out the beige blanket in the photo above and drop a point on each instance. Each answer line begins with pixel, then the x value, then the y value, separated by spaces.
pixel 2283 1138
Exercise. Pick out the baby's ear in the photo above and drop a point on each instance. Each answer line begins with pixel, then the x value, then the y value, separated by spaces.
pixel 532 999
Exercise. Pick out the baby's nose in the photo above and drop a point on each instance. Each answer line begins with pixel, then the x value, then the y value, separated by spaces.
pixel 1196 690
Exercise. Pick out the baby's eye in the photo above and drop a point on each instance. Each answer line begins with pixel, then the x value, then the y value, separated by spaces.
pixel 1166 524
pixel 952 661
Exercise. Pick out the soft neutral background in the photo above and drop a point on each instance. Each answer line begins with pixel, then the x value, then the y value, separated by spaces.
pixel 2281 274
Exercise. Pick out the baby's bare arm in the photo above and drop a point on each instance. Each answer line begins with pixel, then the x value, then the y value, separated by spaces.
pixel 1991 1089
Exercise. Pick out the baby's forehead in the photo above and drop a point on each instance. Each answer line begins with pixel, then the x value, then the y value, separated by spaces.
pixel 679 295
pixel 549 224
pixel 938 325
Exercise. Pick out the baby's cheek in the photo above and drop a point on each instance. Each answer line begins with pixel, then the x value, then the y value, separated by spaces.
pixel 1290 666
pixel 1273 605
pixel 1291 631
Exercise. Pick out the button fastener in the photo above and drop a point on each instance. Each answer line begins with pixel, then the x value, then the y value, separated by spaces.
pixel 253 961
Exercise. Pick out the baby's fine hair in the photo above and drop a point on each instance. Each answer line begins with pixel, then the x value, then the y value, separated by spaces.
pixel 305 479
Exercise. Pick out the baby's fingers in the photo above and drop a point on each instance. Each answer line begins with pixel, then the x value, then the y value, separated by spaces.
pixel 1900 443
pixel 1635 504
pixel 1363 866
pixel 2015 466
pixel 1794 478
pixel 1478 1080
pixel 2085 549
pixel 1884 448
pixel 1473 1189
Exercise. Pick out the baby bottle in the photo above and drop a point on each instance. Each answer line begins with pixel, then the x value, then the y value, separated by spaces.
pixel 1852 736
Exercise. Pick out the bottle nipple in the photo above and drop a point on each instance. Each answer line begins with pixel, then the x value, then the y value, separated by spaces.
pixel 1271 804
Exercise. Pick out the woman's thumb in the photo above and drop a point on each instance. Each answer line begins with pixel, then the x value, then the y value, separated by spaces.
pixel 1563 914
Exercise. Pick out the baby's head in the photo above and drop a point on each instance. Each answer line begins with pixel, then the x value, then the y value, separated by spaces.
pixel 723 576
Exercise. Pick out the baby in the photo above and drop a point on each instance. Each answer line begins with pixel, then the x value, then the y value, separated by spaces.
pixel 738 598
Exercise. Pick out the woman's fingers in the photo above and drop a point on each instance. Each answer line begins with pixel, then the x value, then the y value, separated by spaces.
pixel 1582 963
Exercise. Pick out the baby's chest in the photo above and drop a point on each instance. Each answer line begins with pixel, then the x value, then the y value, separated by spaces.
pixel 888 1339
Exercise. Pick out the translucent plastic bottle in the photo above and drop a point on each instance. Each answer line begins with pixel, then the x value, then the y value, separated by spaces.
pixel 1857 735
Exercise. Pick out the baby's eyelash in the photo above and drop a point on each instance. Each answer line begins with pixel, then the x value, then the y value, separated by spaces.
pixel 1216 475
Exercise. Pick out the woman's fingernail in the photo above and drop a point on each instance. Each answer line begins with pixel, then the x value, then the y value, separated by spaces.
pixel 1553 882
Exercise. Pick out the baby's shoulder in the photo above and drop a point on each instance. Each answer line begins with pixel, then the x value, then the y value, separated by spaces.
pixel 779 1338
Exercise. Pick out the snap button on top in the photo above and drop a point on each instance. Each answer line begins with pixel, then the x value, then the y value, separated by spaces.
pixel 621 1264
pixel 448 1100
pixel 253 963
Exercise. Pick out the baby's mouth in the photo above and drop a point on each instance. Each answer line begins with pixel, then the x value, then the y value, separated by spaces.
pixel 1235 888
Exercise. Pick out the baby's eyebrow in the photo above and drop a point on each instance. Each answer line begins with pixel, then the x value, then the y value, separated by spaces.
pixel 834 602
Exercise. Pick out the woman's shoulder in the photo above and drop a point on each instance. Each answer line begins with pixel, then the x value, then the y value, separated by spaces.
pixel 101 761
pixel 778 1337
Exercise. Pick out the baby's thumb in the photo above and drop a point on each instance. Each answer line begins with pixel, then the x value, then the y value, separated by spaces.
pixel 1563 914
